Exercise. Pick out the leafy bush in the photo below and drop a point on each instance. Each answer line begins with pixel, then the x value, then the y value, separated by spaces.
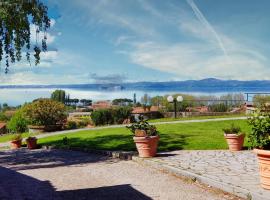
pixel 18 122
pixel 45 112
pixel 120 114
pixel 102 117
pixel 232 130
pixel 71 125
pixel 260 134
pixel 221 107
pixel 3 117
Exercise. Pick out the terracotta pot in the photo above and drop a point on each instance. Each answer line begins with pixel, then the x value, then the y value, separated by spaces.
pixel 235 142
pixel 15 144
pixel 264 167
pixel 31 142
pixel 146 146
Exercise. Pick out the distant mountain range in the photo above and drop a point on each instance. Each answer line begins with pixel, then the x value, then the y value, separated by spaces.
pixel 205 85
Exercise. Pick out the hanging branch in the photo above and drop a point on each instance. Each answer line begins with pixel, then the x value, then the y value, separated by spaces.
pixel 16 16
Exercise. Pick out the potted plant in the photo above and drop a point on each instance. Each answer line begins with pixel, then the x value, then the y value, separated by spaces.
pixel 45 115
pixel 31 142
pixel 259 139
pixel 234 137
pixel 145 137
pixel 16 141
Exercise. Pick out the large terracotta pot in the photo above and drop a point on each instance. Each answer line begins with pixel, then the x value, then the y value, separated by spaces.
pixel 146 146
pixel 264 167
pixel 235 142
pixel 15 144
pixel 31 142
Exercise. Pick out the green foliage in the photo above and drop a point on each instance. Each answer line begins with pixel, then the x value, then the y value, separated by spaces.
pixel 221 107
pixel 18 122
pixel 111 116
pixel 102 117
pixel 16 137
pixel 59 95
pixel 3 117
pixel 260 134
pixel 150 130
pixel 15 20
pixel 260 100
pixel 71 125
pixel 122 102
pixel 232 130
pixel 45 112
pixel 121 113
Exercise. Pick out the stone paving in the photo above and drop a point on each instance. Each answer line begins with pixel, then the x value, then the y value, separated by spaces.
pixel 235 172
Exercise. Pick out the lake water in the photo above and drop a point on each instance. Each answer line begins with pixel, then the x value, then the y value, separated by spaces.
pixel 16 97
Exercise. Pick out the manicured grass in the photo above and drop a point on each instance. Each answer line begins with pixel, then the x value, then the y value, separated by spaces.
pixel 196 136
pixel 196 117
pixel 8 137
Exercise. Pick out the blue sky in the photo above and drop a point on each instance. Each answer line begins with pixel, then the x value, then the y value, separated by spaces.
pixel 151 40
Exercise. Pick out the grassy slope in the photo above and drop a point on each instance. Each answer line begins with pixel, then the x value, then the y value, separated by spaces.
pixel 8 137
pixel 207 135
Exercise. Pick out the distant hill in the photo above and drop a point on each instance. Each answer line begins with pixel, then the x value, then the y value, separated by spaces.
pixel 205 85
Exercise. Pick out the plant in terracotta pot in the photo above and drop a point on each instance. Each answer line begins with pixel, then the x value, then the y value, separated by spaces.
pixel 259 139
pixel 31 142
pixel 234 137
pixel 145 137
pixel 16 141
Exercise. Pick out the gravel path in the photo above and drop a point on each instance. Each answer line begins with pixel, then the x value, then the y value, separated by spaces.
pixel 57 174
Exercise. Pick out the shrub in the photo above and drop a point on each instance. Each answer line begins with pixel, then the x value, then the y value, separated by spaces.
pixel 120 114
pixel 45 112
pixel 260 134
pixel 102 117
pixel 3 117
pixel 71 125
pixel 18 122
pixel 221 107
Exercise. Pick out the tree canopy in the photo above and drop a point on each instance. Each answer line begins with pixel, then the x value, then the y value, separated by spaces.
pixel 16 17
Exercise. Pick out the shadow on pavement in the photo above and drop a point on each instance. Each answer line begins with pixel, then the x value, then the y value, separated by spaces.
pixel 18 186
pixel 24 159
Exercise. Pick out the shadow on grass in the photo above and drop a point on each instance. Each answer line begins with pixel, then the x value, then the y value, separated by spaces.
pixel 168 142
pixel 15 185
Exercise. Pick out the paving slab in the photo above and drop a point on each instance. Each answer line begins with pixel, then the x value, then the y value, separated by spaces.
pixel 234 172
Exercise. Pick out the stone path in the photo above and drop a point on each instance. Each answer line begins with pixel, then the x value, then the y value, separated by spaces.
pixel 235 172
pixel 5 144
pixel 69 175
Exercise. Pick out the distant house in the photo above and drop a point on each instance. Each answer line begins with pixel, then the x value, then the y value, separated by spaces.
pixel 201 109
pixel 3 128
pixel 101 105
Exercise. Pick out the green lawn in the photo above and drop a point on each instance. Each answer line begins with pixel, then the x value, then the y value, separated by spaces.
pixel 196 117
pixel 207 135
pixel 7 137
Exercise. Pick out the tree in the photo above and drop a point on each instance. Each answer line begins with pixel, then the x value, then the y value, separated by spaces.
pixel 16 16
pixel 59 95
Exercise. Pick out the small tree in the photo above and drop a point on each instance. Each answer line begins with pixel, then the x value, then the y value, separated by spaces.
pixel 59 95
pixel 45 112
pixel 18 122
